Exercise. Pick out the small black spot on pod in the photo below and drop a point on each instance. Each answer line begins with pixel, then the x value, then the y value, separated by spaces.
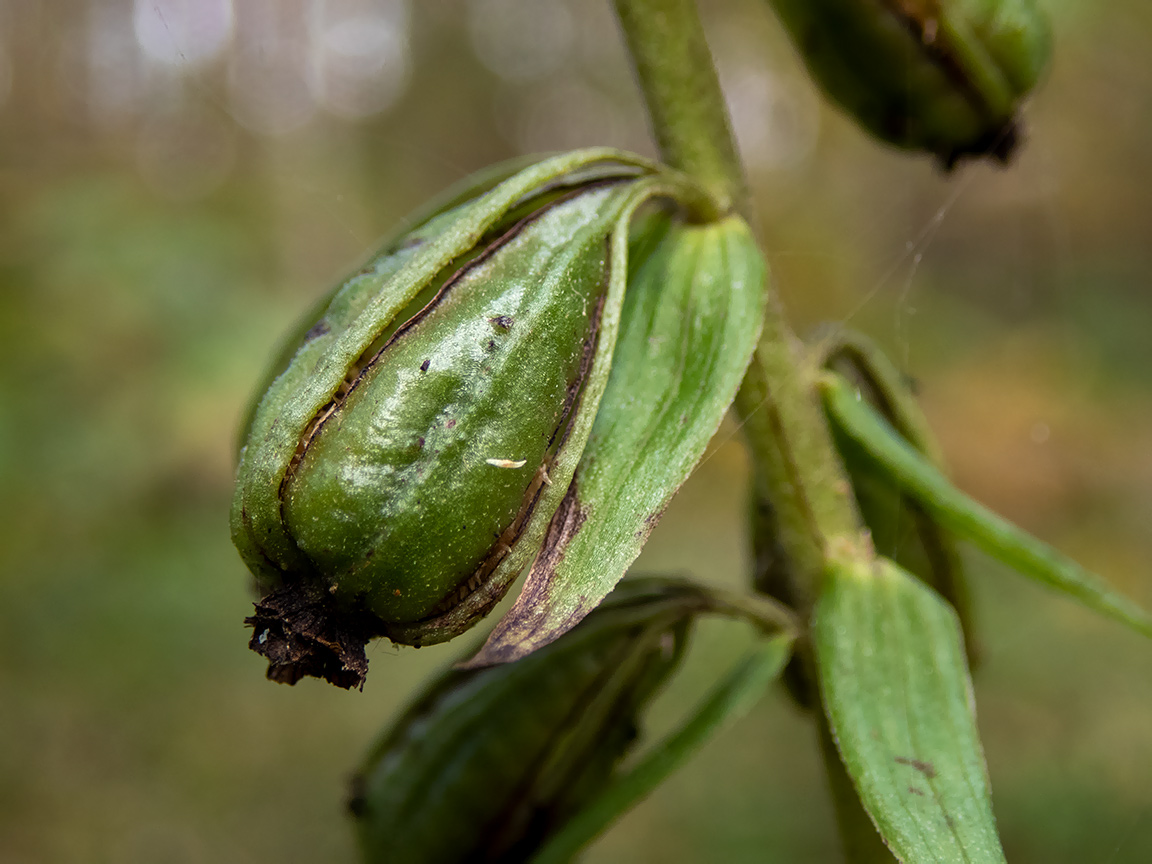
pixel 501 322
pixel 424 365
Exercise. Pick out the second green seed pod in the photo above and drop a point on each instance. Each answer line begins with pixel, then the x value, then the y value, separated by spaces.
pixel 489 762
pixel 946 76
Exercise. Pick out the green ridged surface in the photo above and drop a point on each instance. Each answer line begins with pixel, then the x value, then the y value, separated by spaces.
pixel 349 326
pixel 395 499
pixel 488 762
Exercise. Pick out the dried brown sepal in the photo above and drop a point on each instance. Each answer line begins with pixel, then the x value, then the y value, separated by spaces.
pixel 302 631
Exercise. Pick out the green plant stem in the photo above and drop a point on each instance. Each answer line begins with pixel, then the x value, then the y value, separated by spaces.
pixel 795 464
pixel 676 74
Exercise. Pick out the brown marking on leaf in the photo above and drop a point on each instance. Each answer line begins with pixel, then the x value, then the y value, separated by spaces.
pixel 565 524
pixel 567 520
pixel 916 791
pixel 318 329
pixel 925 768
pixel 649 524
pixel 501 322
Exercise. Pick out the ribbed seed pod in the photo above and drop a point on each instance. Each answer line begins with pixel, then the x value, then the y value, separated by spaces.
pixel 489 762
pixel 399 455
pixel 417 440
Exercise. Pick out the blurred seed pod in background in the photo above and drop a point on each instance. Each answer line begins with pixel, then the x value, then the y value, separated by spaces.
pixel 944 76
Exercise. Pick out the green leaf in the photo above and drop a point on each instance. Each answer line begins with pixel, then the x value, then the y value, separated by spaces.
pixel 901 529
pixel 895 686
pixel 875 439
pixel 861 361
pixel 690 321
pixel 737 693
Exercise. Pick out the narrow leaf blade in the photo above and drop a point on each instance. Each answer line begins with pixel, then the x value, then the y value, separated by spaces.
pixel 901 529
pixel 895 686
pixel 1024 553
pixel 737 693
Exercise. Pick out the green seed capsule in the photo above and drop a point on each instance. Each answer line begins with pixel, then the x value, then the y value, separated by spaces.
pixel 489 762
pixel 421 476
pixel 418 434
pixel 946 76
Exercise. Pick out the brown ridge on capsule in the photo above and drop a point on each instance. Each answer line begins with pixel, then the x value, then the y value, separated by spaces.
pixel 540 479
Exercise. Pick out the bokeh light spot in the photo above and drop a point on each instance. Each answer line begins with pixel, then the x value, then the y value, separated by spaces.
pixel 360 62
pixel 521 40
pixel 183 32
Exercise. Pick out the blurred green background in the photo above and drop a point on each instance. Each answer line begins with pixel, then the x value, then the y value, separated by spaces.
pixel 180 178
